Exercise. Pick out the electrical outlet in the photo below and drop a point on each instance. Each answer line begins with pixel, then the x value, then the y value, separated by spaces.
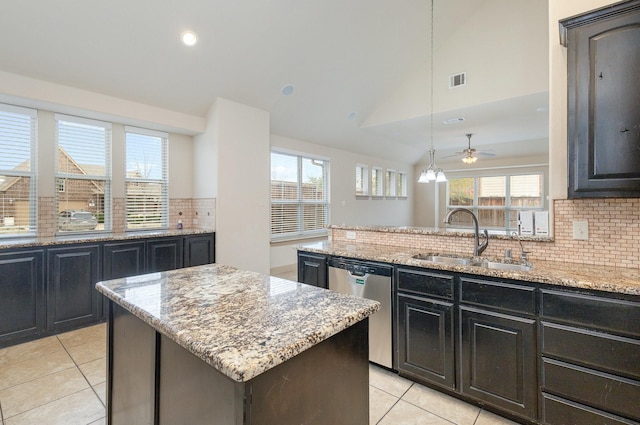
pixel 580 230
pixel 351 234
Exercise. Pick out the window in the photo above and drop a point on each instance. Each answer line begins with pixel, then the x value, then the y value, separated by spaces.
pixel 299 196
pixel 390 183
pixel 362 180
pixel 377 182
pixel 146 179
pixel 401 184
pixel 83 174
pixel 495 200
pixel 17 170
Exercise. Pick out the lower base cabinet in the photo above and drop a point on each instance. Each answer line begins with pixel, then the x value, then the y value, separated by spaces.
pixel 312 269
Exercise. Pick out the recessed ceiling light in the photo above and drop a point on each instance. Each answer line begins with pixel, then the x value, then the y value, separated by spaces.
pixel 189 38
pixel 352 116
pixel 287 89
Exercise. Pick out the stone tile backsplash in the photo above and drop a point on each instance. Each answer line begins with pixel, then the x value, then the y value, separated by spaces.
pixel 614 236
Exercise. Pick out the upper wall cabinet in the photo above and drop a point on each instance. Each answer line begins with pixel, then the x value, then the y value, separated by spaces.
pixel 604 101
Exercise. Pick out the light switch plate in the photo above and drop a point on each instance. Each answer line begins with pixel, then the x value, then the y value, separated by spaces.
pixel 580 230
pixel 351 234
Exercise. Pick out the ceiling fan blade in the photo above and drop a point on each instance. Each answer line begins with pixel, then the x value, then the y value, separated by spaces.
pixel 485 153
pixel 455 154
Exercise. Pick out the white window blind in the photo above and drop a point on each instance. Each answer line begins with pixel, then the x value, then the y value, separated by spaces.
pixel 147 179
pixel 83 174
pixel 401 184
pixel 362 180
pixel 17 170
pixel 377 181
pixel 299 196
pixel 390 183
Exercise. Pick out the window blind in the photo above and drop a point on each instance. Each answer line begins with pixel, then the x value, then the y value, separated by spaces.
pixel 146 179
pixel 18 199
pixel 83 174
pixel 299 195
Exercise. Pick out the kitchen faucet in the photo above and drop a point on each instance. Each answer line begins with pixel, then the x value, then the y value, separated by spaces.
pixel 477 246
pixel 523 253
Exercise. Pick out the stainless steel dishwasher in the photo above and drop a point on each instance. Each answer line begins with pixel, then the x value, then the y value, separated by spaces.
pixel 372 281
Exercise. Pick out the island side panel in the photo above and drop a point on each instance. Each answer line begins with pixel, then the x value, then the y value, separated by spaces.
pixel 192 392
pixel 327 384
pixel 131 374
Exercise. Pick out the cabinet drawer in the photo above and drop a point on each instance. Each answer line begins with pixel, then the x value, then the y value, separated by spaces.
pixel 426 283
pixel 601 313
pixel 612 353
pixel 498 295
pixel 597 389
pixel 558 411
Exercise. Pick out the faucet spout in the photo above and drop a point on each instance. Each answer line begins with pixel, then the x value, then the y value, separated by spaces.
pixel 478 247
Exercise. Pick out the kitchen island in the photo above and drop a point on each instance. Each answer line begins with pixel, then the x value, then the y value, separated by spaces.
pixel 213 344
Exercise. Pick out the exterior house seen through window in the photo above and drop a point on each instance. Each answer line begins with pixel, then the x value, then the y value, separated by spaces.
pixel 299 196
pixel 147 179
pixel 82 174
pixel 17 170
pixel 496 200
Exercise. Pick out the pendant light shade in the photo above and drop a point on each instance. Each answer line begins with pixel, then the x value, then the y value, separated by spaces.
pixel 432 172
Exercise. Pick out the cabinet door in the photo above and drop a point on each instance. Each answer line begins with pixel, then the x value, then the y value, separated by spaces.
pixel 72 299
pixel 604 103
pixel 498 360
pixel 312 269
pixel 121 259
pixel 199 250
pixel 164 254
pixel 425 339
pixel 22 309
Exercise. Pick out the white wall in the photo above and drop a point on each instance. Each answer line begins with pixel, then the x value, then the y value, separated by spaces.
pixel 231 162
pixel 345 208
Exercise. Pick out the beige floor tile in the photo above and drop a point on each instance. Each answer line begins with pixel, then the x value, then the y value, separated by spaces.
pixel 84 335
pixel 18 373
pixel 388 381
pixel 404 413
pixel 101 421
pixel 488 418
pixel 440 404
pixel 80 408
pixel 380 403
pixel 95 371
pixel 32 394
pixel 29 351
pixel 101 390
pixel 88 351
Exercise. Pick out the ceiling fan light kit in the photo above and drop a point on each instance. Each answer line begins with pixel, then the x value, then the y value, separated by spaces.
pixel 432 172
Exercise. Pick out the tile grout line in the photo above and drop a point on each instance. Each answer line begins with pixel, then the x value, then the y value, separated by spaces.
pixel 1 415
pixel 396 402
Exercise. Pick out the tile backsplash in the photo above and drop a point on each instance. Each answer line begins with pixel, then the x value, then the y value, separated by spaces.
pixel 613 236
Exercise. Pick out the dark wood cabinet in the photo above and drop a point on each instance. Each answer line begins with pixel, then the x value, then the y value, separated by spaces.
pixel 121 259
pixel 22 297
pixel 604 101
pixel 425 326
pixel 498 344
pixel 164 254
pixel 590 358
pixel 199 250
pixel 312 269
pixel 72 299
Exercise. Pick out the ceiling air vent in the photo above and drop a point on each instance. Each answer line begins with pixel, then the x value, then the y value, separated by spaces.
pixel 457 80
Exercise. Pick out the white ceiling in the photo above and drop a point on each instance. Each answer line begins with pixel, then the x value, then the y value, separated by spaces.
pixel 342 56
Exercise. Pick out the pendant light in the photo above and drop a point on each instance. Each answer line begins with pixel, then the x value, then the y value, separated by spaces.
pixel 432 172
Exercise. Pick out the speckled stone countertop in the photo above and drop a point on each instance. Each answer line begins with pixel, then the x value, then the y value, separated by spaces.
pixel 241 323
pixel 601 278
pixel 12 243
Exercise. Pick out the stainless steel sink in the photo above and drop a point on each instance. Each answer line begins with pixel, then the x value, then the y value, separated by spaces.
pixel 443 258
pixel 507 266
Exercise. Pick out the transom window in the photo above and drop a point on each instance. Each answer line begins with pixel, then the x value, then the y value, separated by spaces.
pixel 299 196
pixel 495 200
pixel 83 174
pixel 147 179
pixel 17 170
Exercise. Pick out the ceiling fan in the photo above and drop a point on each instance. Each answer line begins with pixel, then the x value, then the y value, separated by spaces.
pixel 470 155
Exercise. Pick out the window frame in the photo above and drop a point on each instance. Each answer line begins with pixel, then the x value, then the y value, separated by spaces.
pixel 300 233
pixel 163 181
pixel 377 182
pixel 31 174
pixel 67 177
pixel 508 208
pixel 362 181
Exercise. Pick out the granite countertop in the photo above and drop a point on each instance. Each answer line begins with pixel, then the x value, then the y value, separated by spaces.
pixel 30 242
pixel 601 278
pixel 241 323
